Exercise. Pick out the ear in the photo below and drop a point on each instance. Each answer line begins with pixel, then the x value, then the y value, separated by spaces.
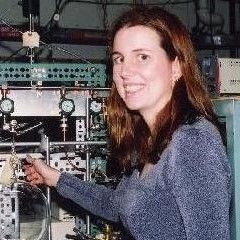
pixel 176 71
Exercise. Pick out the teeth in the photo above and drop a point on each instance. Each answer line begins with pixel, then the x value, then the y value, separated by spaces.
pixel 133 88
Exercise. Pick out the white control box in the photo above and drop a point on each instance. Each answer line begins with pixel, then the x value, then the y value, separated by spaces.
pixel 228 79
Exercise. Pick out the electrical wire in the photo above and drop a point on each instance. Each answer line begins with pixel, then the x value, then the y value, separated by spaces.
pixel 9 25
pixel 49 24
pixel 60 5
pixel 13 54
pixel 49 46
pixel 67 52
pixel 105 15
pixel 123 3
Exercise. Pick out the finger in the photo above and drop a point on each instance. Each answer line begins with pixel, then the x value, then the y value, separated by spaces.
pixel 26 167
pixel 29 170
pixel 30 159
pixel 32 176
pixel 36 182
pixel 37 179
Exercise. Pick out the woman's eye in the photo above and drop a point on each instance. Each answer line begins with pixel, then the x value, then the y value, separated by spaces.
pixel 117 60
pixel 143 57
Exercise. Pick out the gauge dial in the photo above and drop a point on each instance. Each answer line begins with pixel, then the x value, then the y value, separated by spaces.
pixel 67 106
pixel 96 106
pixel 6 105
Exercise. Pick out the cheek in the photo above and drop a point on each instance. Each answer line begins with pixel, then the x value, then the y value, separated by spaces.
pixel 116 73
pixel 116 79
pixel 161 74
pixel 119 85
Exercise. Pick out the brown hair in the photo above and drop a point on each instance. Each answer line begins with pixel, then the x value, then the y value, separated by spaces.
pixel 128 132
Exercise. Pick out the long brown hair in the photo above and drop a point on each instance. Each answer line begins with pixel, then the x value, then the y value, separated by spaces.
pixel 130 138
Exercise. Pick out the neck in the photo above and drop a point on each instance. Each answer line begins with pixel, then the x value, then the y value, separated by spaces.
pixel 149 120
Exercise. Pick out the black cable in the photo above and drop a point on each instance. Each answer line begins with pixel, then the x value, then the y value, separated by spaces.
pixel 13 54
pixel 49 46
pixel 105 15
pixel 167 3
pixel 50 24
pixel 124 3
pixel 212 8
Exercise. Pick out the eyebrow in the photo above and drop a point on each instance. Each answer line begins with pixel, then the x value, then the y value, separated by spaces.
pixel 135 50
pixel 115 52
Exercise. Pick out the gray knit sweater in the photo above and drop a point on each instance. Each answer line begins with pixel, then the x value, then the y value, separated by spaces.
pixel 186 195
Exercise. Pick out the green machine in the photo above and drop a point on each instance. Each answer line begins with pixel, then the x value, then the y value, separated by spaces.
pixel 228 110
pixel 55 109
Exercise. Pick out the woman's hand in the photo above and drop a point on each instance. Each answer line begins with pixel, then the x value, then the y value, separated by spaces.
pixel 38 172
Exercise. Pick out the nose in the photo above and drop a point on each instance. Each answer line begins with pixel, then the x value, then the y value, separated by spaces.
pixel 126 69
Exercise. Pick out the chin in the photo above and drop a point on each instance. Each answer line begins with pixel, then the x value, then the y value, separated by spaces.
pixel 132 107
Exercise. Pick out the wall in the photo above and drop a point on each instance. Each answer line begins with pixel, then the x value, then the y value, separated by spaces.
pixel 88 15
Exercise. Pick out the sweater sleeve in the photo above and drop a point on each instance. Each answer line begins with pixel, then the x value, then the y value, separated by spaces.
pixel 95 198
pixel 201 184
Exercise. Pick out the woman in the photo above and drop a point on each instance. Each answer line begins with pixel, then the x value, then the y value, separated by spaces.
pixel 164 134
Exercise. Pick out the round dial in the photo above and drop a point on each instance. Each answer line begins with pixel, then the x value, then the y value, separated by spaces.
pixel 67 106
pixel 95 106
pixel 6 105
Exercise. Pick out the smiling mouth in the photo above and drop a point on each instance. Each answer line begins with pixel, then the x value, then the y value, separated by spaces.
pixel 133 88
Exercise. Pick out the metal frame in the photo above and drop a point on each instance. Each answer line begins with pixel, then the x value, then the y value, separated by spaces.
pixel 47 145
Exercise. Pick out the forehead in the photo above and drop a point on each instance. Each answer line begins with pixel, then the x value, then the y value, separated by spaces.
pixel 136 36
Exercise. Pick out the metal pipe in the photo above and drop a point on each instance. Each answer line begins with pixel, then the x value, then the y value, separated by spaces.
pixel 206 16
pixel 56 88
pixel 92 37
pixel 48 188
pixel 37 144
pixel 9 144
pixel 88 163
pixel 78 143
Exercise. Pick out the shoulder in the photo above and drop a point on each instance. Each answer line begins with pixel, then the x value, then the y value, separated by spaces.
pixel 202 132
pixel 198 147
pixel 195 153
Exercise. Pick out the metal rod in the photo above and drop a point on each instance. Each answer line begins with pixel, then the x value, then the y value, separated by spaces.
pixel 48 188
pixel 78 143
pixel 58 88
pixel 88 163
pixel 37 144
pixel 9 144
pixel 17 217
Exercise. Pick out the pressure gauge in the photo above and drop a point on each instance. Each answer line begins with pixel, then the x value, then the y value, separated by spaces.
pixel 95 106
pixel 6 105
pixel 67 106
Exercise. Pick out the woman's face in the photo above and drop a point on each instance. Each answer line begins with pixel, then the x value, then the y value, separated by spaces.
pixel 143 74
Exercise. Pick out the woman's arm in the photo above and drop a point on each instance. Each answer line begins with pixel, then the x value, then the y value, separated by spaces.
pixel 97 199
